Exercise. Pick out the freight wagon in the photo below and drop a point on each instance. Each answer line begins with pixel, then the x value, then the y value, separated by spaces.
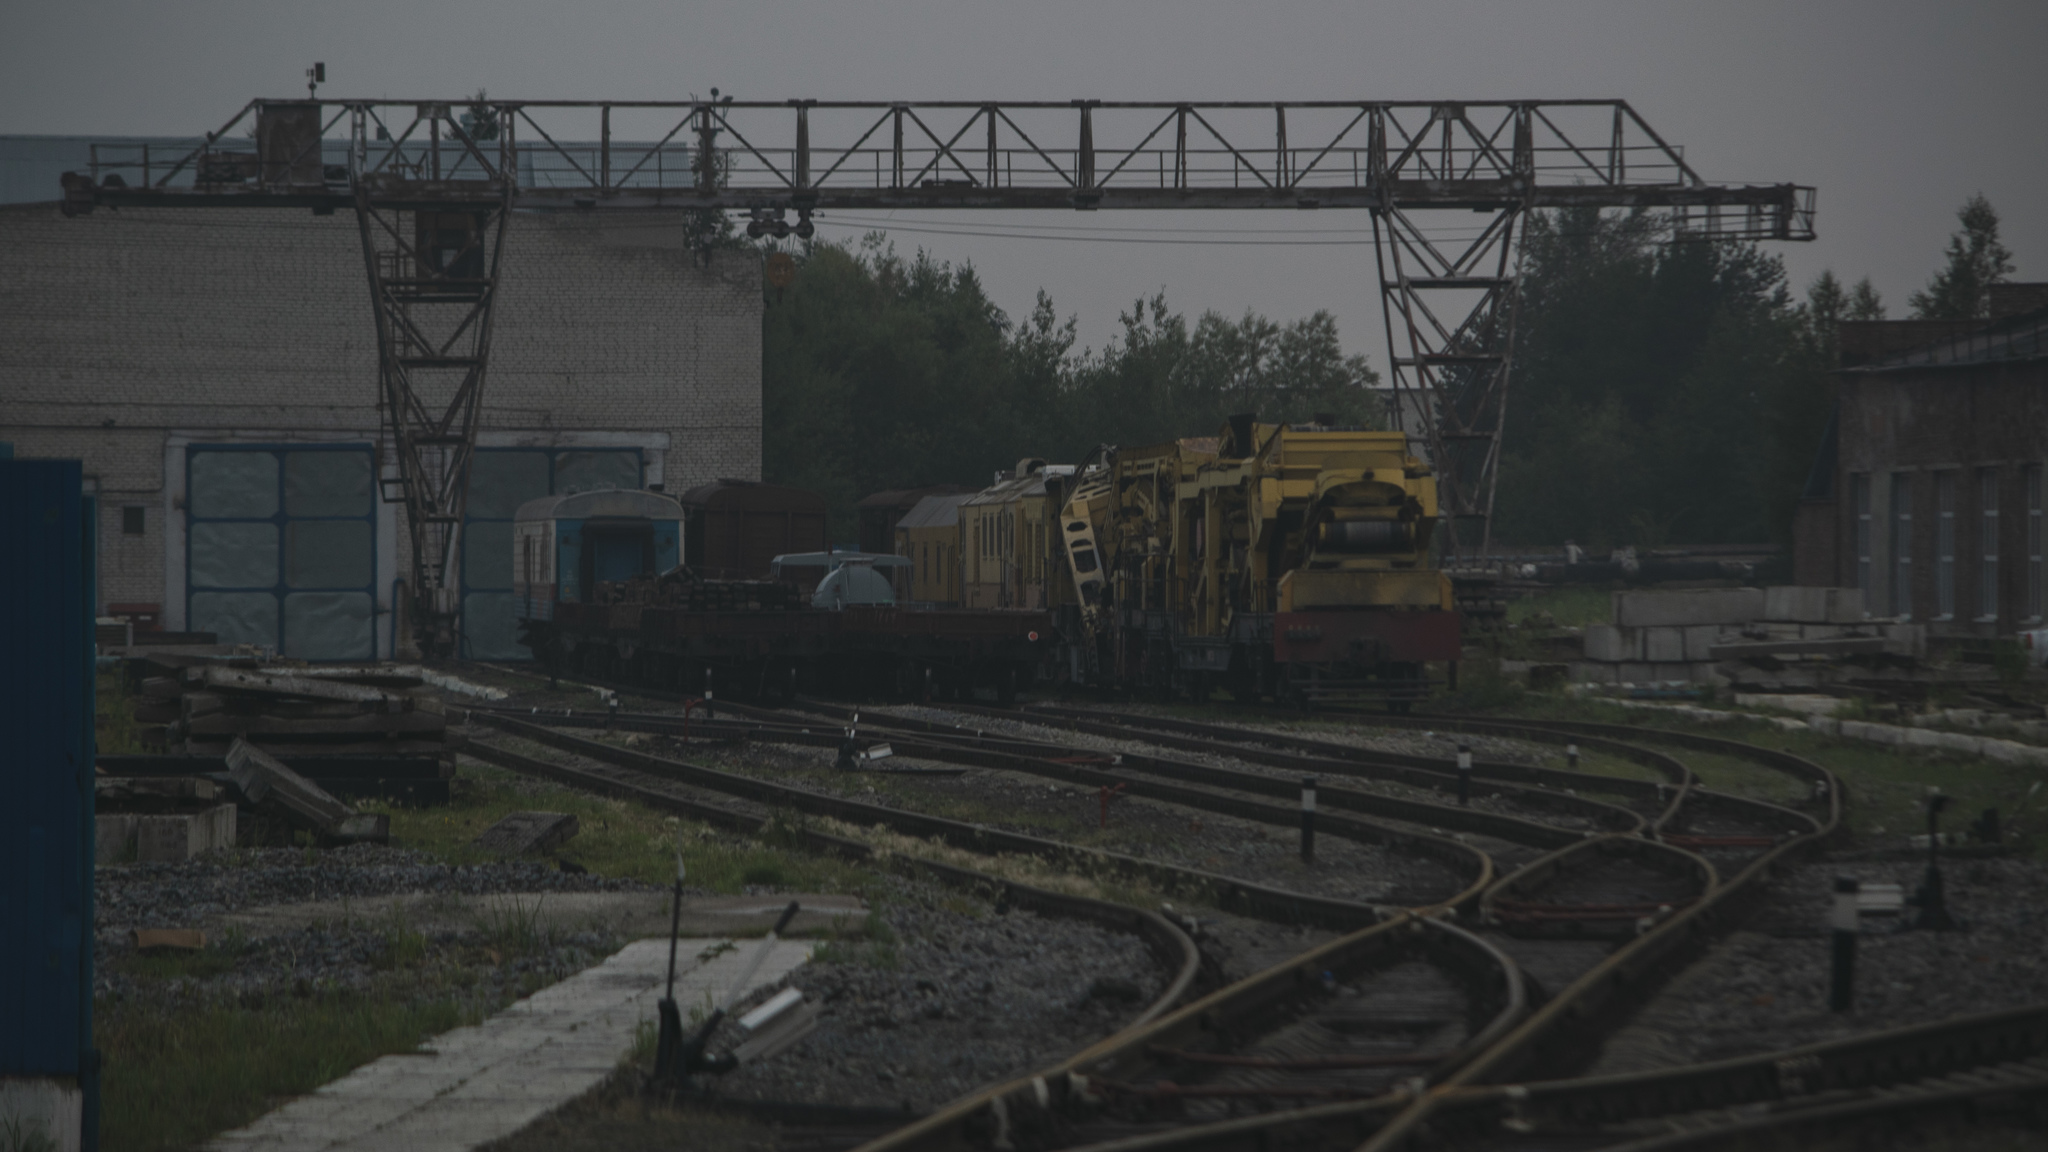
pixel 1282 561
pixel 594 604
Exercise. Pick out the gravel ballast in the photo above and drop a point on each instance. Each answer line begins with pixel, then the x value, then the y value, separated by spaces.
pixel 963 996
pixel 1766 986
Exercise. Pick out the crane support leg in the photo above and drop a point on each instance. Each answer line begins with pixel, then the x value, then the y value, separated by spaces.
pixel 434 271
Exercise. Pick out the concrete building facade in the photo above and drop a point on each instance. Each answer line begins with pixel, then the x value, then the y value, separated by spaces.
pixel 216 371
pixel 1929 495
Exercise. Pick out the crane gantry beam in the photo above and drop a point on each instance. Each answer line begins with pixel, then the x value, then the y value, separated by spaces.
pixel 431 181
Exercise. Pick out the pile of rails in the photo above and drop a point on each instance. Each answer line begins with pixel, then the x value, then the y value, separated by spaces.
pixel 1759 639
pixel 281 745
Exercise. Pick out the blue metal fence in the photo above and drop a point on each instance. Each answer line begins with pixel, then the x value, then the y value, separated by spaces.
pixel 46 770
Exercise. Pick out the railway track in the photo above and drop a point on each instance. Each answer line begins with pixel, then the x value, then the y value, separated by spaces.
pixel 1559 917
pixel 1636 905
pixel 1338 1022
pixel 1663 899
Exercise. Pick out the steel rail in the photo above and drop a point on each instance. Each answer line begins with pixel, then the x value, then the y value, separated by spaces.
pixel 1558 1033
pixel 1513 829
pixel 1554 1035
pixel 1545 869
pixel 1225 892
pixel 1670 794
pixel 1877 1060
pixel 1893 1057
pixel 1170 946
pixel 981 1117
pixel 980 749
pixel 1401 769
pixel 1483 965
pixel 2027 1083
pixel 1826 789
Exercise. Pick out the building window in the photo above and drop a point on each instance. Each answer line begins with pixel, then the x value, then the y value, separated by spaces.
pixel 1902 545
pixel 131 520
pixel 1859 495
pixel 1987 541
pixel 1944 545
pixel 2034 542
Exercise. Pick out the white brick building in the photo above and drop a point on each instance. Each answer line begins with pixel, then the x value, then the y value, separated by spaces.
pixel 152 344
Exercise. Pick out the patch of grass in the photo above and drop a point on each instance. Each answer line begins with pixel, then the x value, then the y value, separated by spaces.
pixel 1574 606
pixel 17 1135
pixel 1887 788
pixel 171 1079
pixel 512 926
pixel 876 945
pixel 614 837
pixel 178 963
pixel 404 945
pixel 119 734
pixel 621 1116
pixel 1481 687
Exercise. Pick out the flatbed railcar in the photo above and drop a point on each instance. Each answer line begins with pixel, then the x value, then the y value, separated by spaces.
pixel 592 603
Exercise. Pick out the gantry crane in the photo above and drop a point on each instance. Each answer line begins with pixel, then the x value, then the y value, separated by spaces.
pixel 431 184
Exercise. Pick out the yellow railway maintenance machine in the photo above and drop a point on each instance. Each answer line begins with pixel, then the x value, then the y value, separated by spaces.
pixel 1289 561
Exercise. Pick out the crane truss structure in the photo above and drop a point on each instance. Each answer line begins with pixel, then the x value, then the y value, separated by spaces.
pixel 431 184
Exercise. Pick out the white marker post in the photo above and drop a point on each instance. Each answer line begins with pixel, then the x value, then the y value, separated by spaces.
pixel 1308 819
pixel 1844 921
pixel 1464 775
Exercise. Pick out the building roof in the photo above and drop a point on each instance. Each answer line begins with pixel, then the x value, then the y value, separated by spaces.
pixel 623 503
pixel 935 512
pixel 752 496
pixel 2013 340
pixel 1004 491
pixel 907 497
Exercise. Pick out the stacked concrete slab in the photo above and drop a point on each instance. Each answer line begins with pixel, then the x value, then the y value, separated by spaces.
pixel 1703 635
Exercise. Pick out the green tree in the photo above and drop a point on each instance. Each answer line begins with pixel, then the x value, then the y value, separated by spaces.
pixel 1826 307
pixel 1864 302
pixel 884 372
pixel 1976 261
pixel 1657 387
pixel 1165 378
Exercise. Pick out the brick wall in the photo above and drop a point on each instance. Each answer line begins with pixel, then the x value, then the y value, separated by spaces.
pixel 122 326
pixel 1957 422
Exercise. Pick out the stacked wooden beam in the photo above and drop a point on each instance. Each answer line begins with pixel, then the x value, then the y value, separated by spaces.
pixel 205 707
pixel 354 732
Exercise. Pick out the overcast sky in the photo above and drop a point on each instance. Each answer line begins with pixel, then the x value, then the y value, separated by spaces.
pixel 1896 112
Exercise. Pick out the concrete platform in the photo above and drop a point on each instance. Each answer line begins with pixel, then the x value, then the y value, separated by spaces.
pixel 471 1086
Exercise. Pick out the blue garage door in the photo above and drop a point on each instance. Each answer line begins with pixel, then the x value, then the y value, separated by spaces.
pixel 281 548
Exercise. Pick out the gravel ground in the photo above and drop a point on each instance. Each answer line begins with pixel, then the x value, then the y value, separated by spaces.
pixel 335 956
pixel 185 895
pixel 1152 830
pixel 1766 987
pixel 964 996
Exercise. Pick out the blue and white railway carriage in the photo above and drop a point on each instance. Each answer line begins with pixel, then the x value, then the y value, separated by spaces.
pixel 563 547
